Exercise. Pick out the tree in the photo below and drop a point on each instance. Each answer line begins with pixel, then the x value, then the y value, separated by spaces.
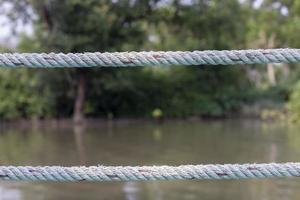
pixel 94 25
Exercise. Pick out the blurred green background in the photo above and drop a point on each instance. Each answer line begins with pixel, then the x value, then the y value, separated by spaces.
pixel 231 93
pixel 171 92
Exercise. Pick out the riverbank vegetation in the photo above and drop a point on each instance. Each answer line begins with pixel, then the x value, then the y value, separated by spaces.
pixel 177 92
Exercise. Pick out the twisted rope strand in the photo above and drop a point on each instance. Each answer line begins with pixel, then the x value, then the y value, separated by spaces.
pixel 152 58
pixel 147 173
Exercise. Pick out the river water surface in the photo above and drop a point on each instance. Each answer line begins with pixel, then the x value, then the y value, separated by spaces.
pixel 147 143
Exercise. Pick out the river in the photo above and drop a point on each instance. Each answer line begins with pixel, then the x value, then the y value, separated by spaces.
pixel 148 143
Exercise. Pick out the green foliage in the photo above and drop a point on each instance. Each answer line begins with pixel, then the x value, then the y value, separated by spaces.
pixel 294 103
pixel 157 113
pixel 20 95
pixel 177 91
pixel 94 25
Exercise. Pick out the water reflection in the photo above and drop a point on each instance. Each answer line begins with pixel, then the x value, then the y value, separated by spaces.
pixel 144 143
pixel 131 189
pixel 10 193
pixel 79 134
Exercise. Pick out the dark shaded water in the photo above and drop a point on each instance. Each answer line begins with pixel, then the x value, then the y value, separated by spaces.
pixel 142 143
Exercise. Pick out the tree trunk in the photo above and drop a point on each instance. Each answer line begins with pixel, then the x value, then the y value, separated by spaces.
pixel 270 67
pixel 271 74
pixel 79 139
pixel 268 42
pixel 78 116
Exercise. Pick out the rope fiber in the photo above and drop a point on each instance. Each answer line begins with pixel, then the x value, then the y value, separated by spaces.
pixel 147 173
pixel 126 59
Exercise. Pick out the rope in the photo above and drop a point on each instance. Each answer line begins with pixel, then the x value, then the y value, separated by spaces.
pixel 147 173
pixel 122 59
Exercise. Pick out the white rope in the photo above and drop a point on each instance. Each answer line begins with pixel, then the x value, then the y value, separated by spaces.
pixel 122 59
pixel 147 173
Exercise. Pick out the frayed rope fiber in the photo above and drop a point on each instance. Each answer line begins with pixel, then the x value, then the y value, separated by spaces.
pixel 152 58
pixel 149 173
